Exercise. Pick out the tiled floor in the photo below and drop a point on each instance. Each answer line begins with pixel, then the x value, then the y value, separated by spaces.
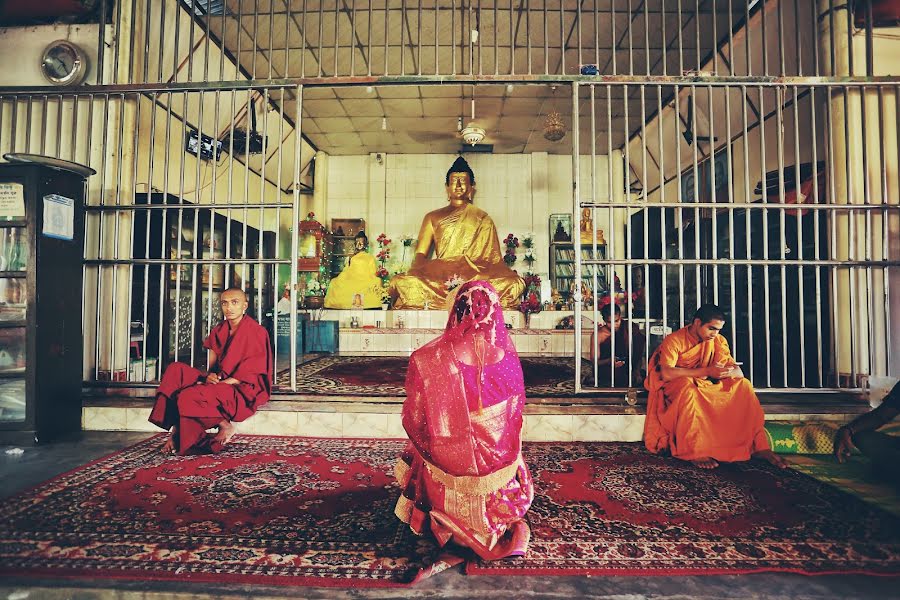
pixel 35 464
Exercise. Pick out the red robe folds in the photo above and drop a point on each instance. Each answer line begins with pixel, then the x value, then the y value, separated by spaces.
pixel 185 400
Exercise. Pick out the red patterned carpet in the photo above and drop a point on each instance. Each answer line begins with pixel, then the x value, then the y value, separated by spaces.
pixel 299 511
pixel 615 509
pixel 545 376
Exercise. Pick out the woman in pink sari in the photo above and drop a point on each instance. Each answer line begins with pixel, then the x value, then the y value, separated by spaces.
pixel 462 474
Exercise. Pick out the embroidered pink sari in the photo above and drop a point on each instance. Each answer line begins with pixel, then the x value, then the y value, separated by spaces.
pixel 462 473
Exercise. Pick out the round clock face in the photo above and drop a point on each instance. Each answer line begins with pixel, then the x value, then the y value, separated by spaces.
pixel 63 63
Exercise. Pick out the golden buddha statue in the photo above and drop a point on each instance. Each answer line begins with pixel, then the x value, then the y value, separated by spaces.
pixel 357 286
pixel 587 229
pixel 466 245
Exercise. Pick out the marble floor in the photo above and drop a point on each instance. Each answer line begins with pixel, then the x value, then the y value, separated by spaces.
pixel 36 464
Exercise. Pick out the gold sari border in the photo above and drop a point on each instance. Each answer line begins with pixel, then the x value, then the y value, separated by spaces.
pixel 477 485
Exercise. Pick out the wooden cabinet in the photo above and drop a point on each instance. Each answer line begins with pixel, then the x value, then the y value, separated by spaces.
pixel 193 254
pixel 41 250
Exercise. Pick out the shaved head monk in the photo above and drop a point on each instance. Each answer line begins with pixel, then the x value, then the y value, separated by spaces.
pixel 700 407
pixel 189 401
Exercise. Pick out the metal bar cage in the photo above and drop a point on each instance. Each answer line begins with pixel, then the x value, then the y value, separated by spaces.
pixel 744 154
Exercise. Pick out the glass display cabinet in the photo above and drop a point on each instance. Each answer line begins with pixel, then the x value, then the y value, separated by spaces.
pixel 41 249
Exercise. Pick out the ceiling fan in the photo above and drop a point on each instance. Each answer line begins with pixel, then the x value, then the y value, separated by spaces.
pixel 473 135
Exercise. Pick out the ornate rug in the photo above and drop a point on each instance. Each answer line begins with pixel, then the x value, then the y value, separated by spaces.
pixel 615 509
pixel 269 510
pixel 545 376
pixel 303 511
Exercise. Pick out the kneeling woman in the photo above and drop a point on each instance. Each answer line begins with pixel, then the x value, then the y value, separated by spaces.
pixel 462 474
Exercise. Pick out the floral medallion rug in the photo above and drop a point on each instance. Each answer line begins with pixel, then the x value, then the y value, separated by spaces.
pixel 545 376
pixel 615 509
pixel 306 511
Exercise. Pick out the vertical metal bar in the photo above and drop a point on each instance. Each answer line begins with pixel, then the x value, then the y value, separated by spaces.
pixel 480 37
pixel 303 42
pixel 198 235
pixel 496 39
pixel 835 324
pixel 779 7
pixel 679 210
pixel 747 52
pixel 578 35
pixel 801 250
pixel 851 225
pixel 369 46
pixel 713 195
pixel 100 236
pixel 512 40
pixel 271 60
pixel 337 16
pixel 546 39
pixel 452 36
pixel 288 18
pixel 765 220
pixel 647 44
pixel 663 244
pixel 403 37
pixel 130 251
pixel 146 56
pixel 820 373
pixel 885 199
pixel 116 27
pixel 295 219
pixel 191 48
pixel 437 39
pixel 528 33
pixel 562 38
pixel 596 35
pixel 576 239
pixel 594 268
pixel 276 280
pixel 419 40
pixel 116 238
pixel 178 264
pixel 729 169
pixel 151 164
pixel 748 248
pixel 697 34
pixel 613 44
pixel 163 233
pixel 101 42
pixel 630 40
pixel 322 36
pixel 765 43
pixel 797 46
pixel 782 223
pixel 867 229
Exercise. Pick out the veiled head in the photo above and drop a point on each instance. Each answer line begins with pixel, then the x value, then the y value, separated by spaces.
pixel 477 308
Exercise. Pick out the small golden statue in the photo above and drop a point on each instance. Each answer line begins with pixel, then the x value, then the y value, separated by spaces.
pixel 587 229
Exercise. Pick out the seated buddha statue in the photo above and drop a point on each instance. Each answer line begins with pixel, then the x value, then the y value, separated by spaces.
pixel 465 244
pixel 357 286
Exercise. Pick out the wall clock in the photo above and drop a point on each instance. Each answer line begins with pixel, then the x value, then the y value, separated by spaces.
pixel 63 63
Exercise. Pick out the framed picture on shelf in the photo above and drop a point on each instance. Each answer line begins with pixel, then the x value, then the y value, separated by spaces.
pixel 561 227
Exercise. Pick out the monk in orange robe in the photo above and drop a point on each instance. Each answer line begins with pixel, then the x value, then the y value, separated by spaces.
pixel 700 407
pixel 189 401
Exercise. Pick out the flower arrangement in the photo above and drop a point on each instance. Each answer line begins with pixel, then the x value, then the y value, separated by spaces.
pixel 453 282
pixel 384 254
pixel 531 303
pixel 511 242
pixel 314 288
pixel 528 244
pixel 310 216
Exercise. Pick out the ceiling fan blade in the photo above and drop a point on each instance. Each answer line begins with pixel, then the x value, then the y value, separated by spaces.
pixel 428 137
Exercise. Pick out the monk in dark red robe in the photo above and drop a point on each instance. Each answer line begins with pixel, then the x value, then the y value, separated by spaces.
pixel 189 401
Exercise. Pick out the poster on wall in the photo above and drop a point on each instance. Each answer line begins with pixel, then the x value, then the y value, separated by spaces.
pixel 12 201
pixel 59 217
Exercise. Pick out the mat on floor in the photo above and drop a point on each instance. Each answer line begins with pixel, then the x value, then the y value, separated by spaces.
pixel 304 511
pixel 615 509
pixel 545 376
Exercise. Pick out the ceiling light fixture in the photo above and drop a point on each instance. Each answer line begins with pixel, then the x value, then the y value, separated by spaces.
pixel 554 128
pixel 473 134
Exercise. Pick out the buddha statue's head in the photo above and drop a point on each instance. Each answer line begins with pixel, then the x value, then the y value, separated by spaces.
pixel 361 242
pixel 460 182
